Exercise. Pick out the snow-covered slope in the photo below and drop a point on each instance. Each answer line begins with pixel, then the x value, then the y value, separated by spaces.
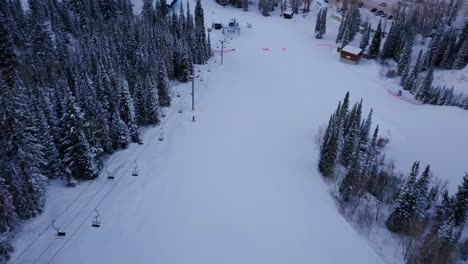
pixel 240 184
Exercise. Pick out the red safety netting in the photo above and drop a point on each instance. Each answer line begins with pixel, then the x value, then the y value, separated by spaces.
pixel 406 99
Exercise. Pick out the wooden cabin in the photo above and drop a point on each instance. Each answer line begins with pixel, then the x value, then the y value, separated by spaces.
pixel 350 54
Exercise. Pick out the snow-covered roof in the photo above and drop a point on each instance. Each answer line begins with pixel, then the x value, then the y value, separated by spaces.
pixel 351 49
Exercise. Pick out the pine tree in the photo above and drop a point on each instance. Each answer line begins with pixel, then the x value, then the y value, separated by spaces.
pixel 8 60
pixel 21 153
pixel 341 29
pixel 349 186
pixel 421 189
pixel 200 35
pixel 323 22
pixel 424 93
pixel 400 218
pixel 318 25
pixel 461 202
pixel 374 48
pixel 409 81
pixel 7 210
pixel 245 5
pixel 75 151
pixel 391 42
pixel 365 38
pixel 329 149
pixel 462 56
pixel 365 129
pixel 163 86
pixel 350 143
pixel 355 23
pixel 346 37
pixel 405 57
pixel 127 109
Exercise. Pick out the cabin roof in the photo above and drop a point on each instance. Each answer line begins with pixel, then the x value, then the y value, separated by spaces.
pixel 351 49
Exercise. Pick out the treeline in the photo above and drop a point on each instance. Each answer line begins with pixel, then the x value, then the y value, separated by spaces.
pixel 448 48
pixel 77 78
pixel 417 207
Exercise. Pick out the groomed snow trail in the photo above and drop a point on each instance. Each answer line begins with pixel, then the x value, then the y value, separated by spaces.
pixel 237 186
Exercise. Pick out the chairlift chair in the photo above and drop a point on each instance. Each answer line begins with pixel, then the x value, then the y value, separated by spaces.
pixel 60 234
pixel 180 109
pixel 135 170
pixel 96 222
pixel 140 141
pixel 163 114
pixel 161 136
pixel 109 176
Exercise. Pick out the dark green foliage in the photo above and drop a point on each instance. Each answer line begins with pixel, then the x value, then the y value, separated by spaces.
pixel 405 205
pixel 461 202
pixel 163 86
pixel 329 149
pixel 392 41
pixel 350 185
pixel 424 93
pixel 74 148
pixel 8 61
pixel 461 58
pixel 374 48
pixel 365 38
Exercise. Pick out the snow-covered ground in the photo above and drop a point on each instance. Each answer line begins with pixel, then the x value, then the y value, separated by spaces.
pixel 240 184
pixel 458 79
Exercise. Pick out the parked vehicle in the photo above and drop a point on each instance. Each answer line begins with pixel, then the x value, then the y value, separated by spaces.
pixel 378 13
pixel 383 15
pixel 390 17
pixel 373 10
pixel 383 4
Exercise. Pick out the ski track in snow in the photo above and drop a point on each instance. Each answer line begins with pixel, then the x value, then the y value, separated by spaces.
pixel 240 184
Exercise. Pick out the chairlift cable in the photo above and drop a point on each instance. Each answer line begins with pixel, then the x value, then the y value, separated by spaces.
pixel 163 123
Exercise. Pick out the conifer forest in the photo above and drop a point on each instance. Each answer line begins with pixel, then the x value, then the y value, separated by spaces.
pixel 78 78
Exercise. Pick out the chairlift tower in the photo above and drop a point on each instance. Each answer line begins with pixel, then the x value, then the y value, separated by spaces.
pixel 222 49
pixel 193 77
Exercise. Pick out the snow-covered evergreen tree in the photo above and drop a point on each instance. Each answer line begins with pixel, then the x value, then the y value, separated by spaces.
pixel 400 218
pixel 374 49
pixel 318 25
pixel 461 58
pixel 421 191
pixel 350 184
pixel 163 86
pixel 76 155
pixel 461 202
pixel 424 92
pixel 365 38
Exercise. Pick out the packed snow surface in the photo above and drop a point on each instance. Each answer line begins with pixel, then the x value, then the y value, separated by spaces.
pixel 240 185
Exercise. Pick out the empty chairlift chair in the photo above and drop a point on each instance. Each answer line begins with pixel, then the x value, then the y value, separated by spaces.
pixel 60 234
pixel 161 136
pixel 135 170
pixel 180 109
pixel 109 176
pixel 96 222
